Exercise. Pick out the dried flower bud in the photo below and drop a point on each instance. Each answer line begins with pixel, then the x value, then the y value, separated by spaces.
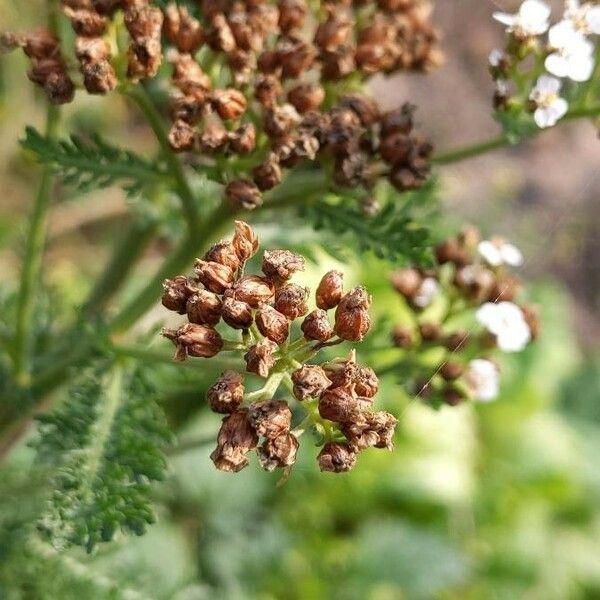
pixel 452 370
pixel 309 381
pixel 457 341
pixel 253 290
pixel 475 281
pixel 316 326
pixel 341 405
pixel 279 452
pixel 236 314
pixel 268 174
pixel 366 383
pixel 182 30
pixel 181 136
pixel 86 22
pixel 204 308
pixel 365 107
pixel 292 301
pixel 176 293
pixel 230 104
pixel 291 14
pixel 377 431
pixel 400 120
pixel 267 89
pixel 333 32
pixel 295 59
pixel 214 138
pixel 244 241
pixel 227 393
pixel 224 253
pixel 40 43
pixel 330 290
pixel 430 332
pixel 270 418
pixel 244 194
pixel 188 107
pixel 280 120
pixel 214 276
pixel 336 458
pixel 236 438
pixel 506 288
pixel 452 251
pixel 403 337
pixel 243 140
pixel 352 321
pixel 280 265
pixel 219 35
pixel 188 75
pixel 338 63
pixel 272 324
pixel 194 340
pixel 407 282
pixel 306 97
pixel 453 396
pixel 259 358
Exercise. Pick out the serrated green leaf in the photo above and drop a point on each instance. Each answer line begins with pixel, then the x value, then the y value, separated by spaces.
pixel 107 444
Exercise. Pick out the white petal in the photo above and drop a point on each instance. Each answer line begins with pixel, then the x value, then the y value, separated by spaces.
pixel 505 18
pixel 543 118
pixel 534 10
pixel 547 84
pixel 483 378
pixel 593 20
pixel 511 255
pixel 426 293
pixel 490 253
pixel 557 65
pixel 487 315
pixel 559 108
pixel 562 34
pixel 580 68
pixel 495 57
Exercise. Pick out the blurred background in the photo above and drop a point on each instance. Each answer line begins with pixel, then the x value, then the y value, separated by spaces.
pixel 497 501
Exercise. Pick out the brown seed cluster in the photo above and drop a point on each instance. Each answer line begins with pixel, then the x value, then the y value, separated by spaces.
pixel 336 396
pixel 462 281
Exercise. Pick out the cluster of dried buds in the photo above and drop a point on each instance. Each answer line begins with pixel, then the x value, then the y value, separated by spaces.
pixel 472 283
pixel 335 396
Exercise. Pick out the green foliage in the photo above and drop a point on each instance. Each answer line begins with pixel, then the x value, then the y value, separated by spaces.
pixel 395 233
pixel 107 445
pixel 94 163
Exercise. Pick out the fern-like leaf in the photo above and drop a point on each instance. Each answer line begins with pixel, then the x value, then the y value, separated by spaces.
pixel 106 443
pixel 93 164
pixel 393 233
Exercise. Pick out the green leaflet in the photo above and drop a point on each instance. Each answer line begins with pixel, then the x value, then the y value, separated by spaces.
pixel 93 164
pixel 107 444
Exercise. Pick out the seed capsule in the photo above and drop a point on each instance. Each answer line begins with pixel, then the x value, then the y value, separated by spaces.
pixel 407 282
pixel 244 241
pixel 227 393
pixel 330 290
pixel 291 14
pixel 230 104
pixel 259 359
pixel 268 174
pixel 181 136
pixel 236 438
pixel 244 194
pixel 176 293
pixel 279 452
pixel 272 324
pixel 224 253
pixel 253 290
pixel 214 276
pixel 236 314
pixel 336 458
pixel 306 97
pixel 292 301
pixel 430 332
pixel 377 431
pixel 352 321
pixel 280 265
pixel 204 308
pixel 194 340
pixel 366 382
pixel 316 326
pixel 341 405
pixel 270 418
pixel 451 371
pixel 243 140
pixel 309 381
pixel 403 337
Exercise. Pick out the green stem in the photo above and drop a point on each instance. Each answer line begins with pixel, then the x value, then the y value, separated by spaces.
pixel 143 100
pixel 470 151
pixel 30 273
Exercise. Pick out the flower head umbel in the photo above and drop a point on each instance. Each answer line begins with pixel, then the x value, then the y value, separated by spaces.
pixel 335 397
pixel 549 106
pixel 572 54
pixel 474 287
pixel 584 17
pixel 530 20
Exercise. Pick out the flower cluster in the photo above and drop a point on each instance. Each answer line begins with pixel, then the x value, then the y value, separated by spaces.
pixel 458 313
pixel 568 52
pixel 335 396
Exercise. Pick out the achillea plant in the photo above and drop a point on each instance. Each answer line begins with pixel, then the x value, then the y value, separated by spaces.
pixel 260 109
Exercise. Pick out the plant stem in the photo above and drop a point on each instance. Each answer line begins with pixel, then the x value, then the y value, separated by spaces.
pixel 470 151
pixel 143 100
pixel 30 273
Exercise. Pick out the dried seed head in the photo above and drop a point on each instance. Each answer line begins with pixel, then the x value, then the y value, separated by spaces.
pixel 204 308
pixel 259 358
pixel 86 22
pixel 194 340
pixel 214 276
pixel 244 241
pixel 377 431
pixel 280 265
pixel 430 332
pixel 230 104
pixel 236 314
pixel 309 381
pixel 341 405
pixel 475 281
pixel 330 290
pixel 506 288
pixel 181 136
pixel 366 382
pixel 400 120
pixel 352 321
pixel 182 30
pixel 227 393
pixel 270 418
pixel 219 35
pixel 176 293
pixel 267 89
pixel 403 337
pixel 268 174
pixel 214 138
pixel 243 140
pixel 452 251
pixel 280 120
pixel 407 282
pixel 253 290
pixel 272 324
pixel 296 58
pixel 338 63
pixel 188 75
pixel 366 108
pixel 188 107
pixel 279 452
pixel 306 97
pixel 291 14
pixel 316 326
pixel 334 32
pixel 244 194
pixel 292 300
pixel 457 341
pixel 236 438
pixel 336 458
pixel 224 253
pixel 40 43
pixel 452 370
pixel 453 396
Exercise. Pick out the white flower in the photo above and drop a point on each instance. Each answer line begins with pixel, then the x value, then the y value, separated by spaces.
pixel 483 379
pixel 496 57
pixel 497 252
pixel 426 293
pixel 573 54
pixel 507 323
pixel 585 17
pixel 532 19
pixel 550 106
